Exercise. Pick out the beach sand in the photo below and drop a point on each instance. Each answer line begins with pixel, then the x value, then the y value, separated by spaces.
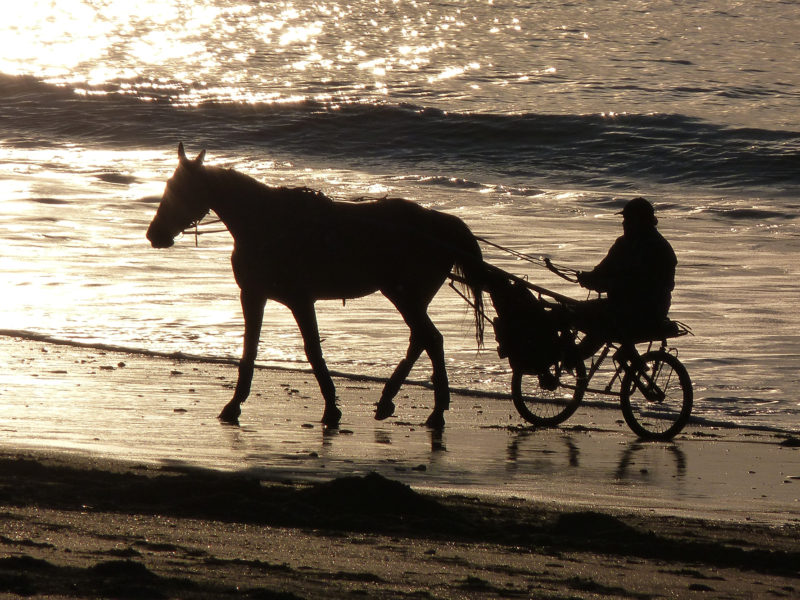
pixel 119 482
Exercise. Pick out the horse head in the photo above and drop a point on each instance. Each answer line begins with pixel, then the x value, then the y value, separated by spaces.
pixel 184 202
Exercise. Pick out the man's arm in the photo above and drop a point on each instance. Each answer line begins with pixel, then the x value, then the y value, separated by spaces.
pixel 601 277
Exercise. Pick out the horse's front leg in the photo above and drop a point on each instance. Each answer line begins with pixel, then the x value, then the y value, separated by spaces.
pixel 306 319
pixel 253 311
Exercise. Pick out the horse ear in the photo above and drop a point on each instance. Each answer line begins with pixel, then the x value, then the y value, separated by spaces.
pixel 200 158
pixel 182 154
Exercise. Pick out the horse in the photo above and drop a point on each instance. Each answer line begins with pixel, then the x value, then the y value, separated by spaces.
pixel 297 245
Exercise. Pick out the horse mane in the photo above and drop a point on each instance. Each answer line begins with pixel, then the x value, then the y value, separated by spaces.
pixel 251 187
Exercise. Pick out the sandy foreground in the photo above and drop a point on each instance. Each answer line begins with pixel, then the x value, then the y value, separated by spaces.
pixel 119 482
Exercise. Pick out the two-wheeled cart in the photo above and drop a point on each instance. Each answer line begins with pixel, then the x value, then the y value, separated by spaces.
pixel 537 335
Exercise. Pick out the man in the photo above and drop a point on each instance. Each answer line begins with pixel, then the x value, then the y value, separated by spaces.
pixel 638 276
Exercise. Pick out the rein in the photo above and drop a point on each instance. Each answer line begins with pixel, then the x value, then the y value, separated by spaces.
pixel 543 261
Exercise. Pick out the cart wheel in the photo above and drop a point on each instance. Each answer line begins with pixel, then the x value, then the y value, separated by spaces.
pixel 541 405
pixel 657 405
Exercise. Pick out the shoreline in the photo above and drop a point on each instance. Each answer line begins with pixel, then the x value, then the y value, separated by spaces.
pixel 32 336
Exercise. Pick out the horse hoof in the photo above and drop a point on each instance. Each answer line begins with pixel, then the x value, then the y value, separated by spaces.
pixel 435 421
pixel 230 414
pixel 384 410
pixel 331 417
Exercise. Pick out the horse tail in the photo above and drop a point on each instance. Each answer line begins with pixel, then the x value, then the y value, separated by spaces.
pixel 469 269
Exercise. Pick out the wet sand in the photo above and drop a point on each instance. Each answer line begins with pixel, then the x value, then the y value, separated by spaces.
pixel 120 481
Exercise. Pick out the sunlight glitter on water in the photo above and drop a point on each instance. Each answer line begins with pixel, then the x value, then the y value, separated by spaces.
pixel 154 48
pixel 514 57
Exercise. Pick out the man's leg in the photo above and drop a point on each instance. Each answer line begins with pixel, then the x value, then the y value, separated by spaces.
pixel 593 318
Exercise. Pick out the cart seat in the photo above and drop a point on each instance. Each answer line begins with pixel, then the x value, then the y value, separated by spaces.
pixel 662 331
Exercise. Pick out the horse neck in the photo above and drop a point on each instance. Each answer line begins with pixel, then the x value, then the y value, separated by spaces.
pixel 232 195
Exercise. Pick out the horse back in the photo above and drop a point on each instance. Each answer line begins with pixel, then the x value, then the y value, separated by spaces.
pixel 351 249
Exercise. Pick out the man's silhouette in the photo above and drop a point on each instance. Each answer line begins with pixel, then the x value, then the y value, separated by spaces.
pixel 638 276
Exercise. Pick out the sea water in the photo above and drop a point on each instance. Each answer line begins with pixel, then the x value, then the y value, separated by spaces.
pixel 532 121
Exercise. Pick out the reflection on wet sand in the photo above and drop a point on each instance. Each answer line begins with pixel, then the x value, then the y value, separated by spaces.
pixel 636 459
pixel 514 448
pixel 574 466
pixel 437 441
pixel 627 461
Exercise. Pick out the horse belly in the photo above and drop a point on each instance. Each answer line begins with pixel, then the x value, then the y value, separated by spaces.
pixel 341 280
pixel 284 279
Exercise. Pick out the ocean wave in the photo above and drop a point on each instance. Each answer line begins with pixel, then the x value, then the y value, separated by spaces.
pixel 617 151
pixel 750 214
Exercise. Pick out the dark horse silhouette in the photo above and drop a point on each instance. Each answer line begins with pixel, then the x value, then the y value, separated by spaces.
pixel 297 246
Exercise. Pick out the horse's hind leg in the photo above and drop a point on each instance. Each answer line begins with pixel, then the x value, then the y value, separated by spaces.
pixel 441 386
pixel 253 311
pixel 306 319
pixel 424 333
pixel 385 406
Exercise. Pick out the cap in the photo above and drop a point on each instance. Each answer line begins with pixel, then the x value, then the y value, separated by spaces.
pixel 639 208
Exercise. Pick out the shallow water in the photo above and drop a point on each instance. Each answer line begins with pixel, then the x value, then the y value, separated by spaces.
pixel 534 122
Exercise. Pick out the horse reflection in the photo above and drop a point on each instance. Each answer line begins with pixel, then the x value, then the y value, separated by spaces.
pixel 297 246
